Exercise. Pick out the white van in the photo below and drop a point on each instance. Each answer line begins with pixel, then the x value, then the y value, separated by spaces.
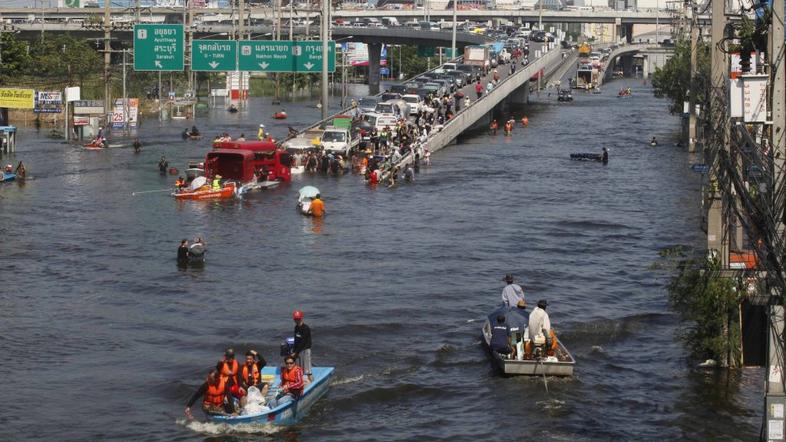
pixel 380 121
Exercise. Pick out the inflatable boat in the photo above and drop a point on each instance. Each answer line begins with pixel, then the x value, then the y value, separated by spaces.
pixel 586 157
pixel 200 191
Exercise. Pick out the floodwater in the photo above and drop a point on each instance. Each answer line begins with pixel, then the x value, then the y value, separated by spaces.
pixel 104 338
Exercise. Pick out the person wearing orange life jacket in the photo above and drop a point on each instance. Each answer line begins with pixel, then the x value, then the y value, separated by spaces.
pixel 214 394
pixel 494 126
pixel 292 383
pixel 508 127
pixel 250 372
pixel 228 367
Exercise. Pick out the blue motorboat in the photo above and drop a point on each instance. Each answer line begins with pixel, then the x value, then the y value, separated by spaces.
pixel 8 176
pixel 289 413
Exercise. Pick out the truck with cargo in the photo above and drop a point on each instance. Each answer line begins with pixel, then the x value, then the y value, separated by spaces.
pixel 477 56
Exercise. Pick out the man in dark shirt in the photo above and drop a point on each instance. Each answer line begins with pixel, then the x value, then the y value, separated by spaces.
pixel 302 349
pixel 182 253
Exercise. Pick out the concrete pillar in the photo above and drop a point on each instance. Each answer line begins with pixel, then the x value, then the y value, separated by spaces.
pixel 519 96
pixel 645 67
pixel 628 33
pixel 374 50
pixel 627 65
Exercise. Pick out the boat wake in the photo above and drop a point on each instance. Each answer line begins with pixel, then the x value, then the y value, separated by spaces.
pixel 344 381
pixel 214 429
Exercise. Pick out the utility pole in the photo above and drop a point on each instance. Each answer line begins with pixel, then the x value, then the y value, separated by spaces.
pixel 453 37
pixel 241 31
pixel 292 38
pixel 324 32
pixel 125 95
pixel 540 16
pixel 716 223
pixel 136 12
pixel 277 94
pixel 694 43
pixel 774 396
pixel 107 57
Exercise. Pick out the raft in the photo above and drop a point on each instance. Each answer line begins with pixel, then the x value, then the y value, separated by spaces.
pixel 232 110
pixel 7 177
pixel 586 157
pixel 207 193
pixel 93 146
pixel 280 115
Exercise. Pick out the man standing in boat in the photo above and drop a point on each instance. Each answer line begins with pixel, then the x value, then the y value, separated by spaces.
pixel 302 349
pixel 513 294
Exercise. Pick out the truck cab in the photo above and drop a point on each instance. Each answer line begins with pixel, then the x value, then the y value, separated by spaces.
pixel 336 140
pixel 242 160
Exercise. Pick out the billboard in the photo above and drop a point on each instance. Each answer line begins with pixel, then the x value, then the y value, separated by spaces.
pixel 17 98
pixel 48 102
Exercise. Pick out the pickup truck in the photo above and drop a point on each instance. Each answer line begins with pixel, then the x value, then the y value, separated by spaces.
pixel 337 140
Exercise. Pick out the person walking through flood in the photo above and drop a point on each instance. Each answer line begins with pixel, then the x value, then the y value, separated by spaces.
pixel 317 207
pixel 182 253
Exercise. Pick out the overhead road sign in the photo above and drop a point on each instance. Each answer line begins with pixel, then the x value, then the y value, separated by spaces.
pixel 214 55
pixel 158 47
pixel 285 56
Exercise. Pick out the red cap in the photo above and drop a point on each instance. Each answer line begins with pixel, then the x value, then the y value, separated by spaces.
pixel 297 315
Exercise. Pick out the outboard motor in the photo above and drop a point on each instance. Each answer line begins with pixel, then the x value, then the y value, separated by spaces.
pixel 288 346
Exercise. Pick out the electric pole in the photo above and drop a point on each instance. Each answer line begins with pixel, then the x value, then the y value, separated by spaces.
pixel 107 58
pixel 774 396
pixel 324 32
pixel 694 42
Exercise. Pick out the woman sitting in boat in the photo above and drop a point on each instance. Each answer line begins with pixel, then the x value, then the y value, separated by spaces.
pixel 180 183
pixel 291 383
pixel 217 398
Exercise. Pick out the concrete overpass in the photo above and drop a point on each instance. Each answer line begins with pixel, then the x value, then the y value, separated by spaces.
pixel 161 14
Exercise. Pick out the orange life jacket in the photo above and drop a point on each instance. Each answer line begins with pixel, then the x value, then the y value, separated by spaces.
pixel 508 126
pixel 214 395
pixel 226 369
pixel 494 125
pixel 253 377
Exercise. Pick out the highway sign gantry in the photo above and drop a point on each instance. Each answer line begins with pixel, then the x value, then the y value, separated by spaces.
pixel 285 56
pixel 214 55
pixel 158 47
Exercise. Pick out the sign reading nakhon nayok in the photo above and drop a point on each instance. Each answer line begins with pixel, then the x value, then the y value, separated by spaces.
pixel 285 56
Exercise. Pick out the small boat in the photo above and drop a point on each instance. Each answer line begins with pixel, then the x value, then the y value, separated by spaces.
pixel 586 157
pixel 8 177
pixel 297 170
pixel 196 253
pixel 280 115
pixel 200 190
pixel 189 136
pixel 289 413
pixel 250 187
pixel 305 195
pixel 561 364
pixel 232 109
pixel 194 169
pixel 94 146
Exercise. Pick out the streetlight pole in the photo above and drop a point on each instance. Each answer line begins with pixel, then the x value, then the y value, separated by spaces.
pixel 657 20
pixel 292 38
pixel 453 37
pixel 324 32
pixel 540 17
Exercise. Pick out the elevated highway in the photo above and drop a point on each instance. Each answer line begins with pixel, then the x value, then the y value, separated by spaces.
pixel 162 14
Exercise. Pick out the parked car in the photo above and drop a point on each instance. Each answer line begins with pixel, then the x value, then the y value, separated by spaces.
pixel 387 96
pixel 367 104
pixel 414 102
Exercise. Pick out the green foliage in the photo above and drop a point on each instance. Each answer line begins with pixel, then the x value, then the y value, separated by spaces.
pixel 412 64
pixel 673 79
pixel 15 58
pixel 711 304
pixel 65 57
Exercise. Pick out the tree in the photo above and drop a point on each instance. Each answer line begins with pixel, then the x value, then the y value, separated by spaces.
pixel 65 57
pixel 14 57
pixel 673 80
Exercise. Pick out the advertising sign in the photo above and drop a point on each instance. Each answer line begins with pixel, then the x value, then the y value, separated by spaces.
pixel 89 107
pixel 48 102
pixel 17 98
pixel 81 120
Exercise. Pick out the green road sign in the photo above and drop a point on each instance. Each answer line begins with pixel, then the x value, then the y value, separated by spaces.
pixel 158 47
pixel 448 52
pixel 71 3
pixel 285 56
pixel 425 51
pixel 214 55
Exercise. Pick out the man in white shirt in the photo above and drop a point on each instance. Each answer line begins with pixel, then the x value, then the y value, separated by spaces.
pixel 540 332
pixel 513 294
